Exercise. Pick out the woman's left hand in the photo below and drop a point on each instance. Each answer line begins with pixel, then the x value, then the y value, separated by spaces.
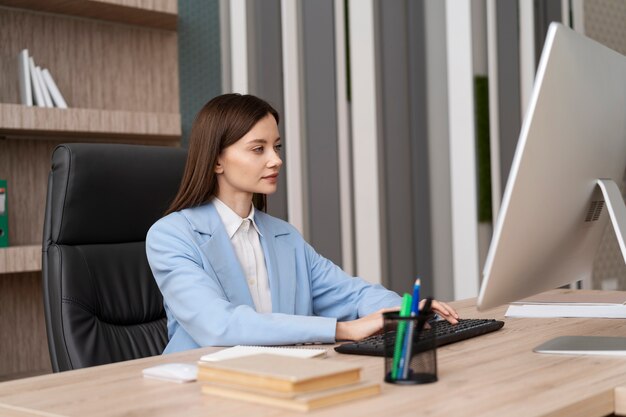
pixel 443 309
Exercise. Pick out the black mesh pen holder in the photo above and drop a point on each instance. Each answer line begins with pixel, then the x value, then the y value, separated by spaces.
pixel 410 350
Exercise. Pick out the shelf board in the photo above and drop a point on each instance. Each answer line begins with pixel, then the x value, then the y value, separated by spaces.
pixel 157 14
pixel 16 259
pixel 19 120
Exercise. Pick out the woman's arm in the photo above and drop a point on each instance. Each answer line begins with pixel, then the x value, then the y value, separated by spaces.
pixel 337 294
pixel 357 304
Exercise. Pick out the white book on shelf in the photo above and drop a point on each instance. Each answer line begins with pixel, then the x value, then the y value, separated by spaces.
pixel 55 94
pixel 36 87
pixel 46 94
pixel 23 65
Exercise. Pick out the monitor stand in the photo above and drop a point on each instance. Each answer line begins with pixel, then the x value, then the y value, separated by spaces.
pixel 617 210
pixel 597 345
pixel 584 345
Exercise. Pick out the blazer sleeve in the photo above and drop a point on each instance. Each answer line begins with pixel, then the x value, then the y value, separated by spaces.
pixel 336 294
pixel 197 302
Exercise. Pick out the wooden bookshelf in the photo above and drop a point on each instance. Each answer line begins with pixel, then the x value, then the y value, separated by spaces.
pixel 96 65
pixel 20 259
pixel 157 14
pixel 20 375
pixel 23 328
pixel 19 120
pixel 116 64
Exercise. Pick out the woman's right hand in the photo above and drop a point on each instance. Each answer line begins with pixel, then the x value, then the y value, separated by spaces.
pixel 363 327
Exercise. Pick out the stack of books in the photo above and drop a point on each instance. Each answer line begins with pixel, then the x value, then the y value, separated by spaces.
pixel 288 382
pixel 37 85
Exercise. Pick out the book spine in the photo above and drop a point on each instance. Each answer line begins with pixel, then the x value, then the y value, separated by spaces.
pixel 46 94
pixel 4 215
pixel 56 95
pixel 39 102
pixel 26 94
pixel 245 380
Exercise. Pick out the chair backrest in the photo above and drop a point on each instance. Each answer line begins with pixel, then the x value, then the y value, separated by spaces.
pixel 102 304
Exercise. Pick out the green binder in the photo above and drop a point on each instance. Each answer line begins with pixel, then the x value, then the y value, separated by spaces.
pixel 4 215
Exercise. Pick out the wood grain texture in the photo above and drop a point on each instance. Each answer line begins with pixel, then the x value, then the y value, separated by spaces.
pixel 20 120
pixel 159 14
pixel 22 328
pixel 20 259
pixel 492 375
pixel 620 401
pixel 121 84
pixel 27 374
pixel 25 165
pixel 96 65
pixel 11 411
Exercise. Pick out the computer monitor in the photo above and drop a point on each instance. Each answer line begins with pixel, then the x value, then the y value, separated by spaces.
pixel 566 175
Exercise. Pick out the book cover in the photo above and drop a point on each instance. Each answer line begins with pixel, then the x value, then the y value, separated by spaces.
pixel 36 87
pixel 46 94
pixel 55 94
pixel 279 373
pixel 240 351
pixel 299 402
pixel 26 95
pixel 4 215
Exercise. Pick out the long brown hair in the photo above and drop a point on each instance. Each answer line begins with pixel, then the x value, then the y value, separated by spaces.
pixel 220 123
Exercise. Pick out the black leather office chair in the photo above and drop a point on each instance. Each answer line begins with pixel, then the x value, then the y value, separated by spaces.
pixel 102 304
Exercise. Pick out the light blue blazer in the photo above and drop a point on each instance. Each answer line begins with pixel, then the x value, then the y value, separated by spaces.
pixel 206 296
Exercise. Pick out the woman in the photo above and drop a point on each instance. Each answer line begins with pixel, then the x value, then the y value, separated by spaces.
pixel 231 274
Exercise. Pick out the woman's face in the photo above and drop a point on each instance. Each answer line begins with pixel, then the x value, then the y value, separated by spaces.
pixel 251 164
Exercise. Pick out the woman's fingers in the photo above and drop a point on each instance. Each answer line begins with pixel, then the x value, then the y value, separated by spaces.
pixel 445 311
pixel 441 308
pixel 447 308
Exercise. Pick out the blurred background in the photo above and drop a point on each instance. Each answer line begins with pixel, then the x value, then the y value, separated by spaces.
pixel 400 119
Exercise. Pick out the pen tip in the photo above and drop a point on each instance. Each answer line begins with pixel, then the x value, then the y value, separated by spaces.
pixel 418 282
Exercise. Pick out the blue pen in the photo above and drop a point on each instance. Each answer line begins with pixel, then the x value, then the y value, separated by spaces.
pixel 416 297
pixel 405 358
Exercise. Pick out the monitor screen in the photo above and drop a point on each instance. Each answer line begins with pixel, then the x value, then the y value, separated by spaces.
pixel 554 211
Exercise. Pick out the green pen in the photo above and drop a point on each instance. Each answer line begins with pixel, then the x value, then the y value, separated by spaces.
pixel 405 311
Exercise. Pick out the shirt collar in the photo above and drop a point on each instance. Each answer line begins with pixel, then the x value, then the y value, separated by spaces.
pixel 232 221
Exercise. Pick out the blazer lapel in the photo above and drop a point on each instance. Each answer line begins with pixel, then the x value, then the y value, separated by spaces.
pixel 281 265
pixel 220 253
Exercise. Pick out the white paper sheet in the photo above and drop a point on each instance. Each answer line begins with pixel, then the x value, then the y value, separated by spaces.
pixel 239 351
pixel 610 311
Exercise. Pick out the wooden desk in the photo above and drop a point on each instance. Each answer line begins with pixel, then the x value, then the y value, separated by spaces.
pixel 492 375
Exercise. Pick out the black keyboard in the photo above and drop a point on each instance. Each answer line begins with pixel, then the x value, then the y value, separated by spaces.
pixel 445 333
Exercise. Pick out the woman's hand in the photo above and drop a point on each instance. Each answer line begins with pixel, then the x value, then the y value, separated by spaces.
pixel 373 323
pixel 363 327
pixel 443 309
